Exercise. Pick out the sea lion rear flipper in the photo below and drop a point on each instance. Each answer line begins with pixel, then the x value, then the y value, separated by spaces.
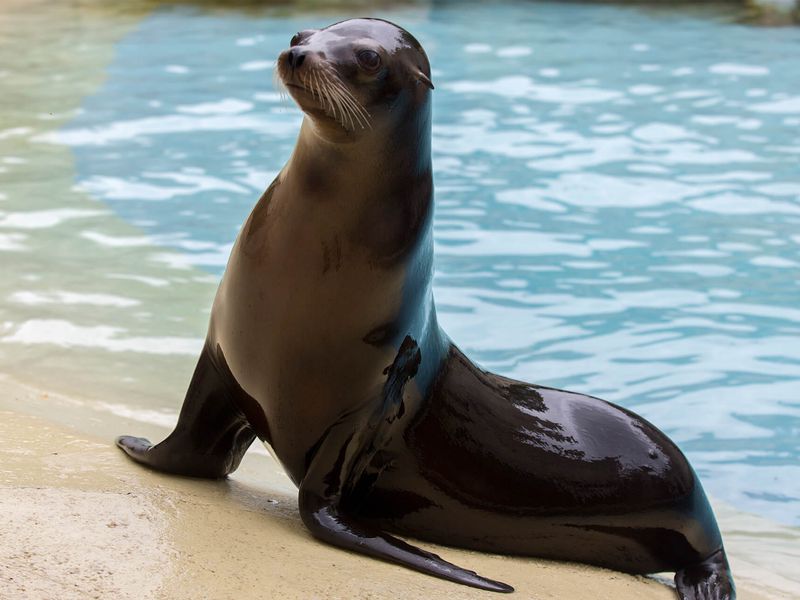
pixel 708 580
pixel 327 523
pixel 211 436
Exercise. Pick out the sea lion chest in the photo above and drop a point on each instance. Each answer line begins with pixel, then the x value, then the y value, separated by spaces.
pixel 299 296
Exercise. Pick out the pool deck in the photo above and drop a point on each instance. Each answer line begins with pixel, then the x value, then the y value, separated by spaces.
pixel 80 520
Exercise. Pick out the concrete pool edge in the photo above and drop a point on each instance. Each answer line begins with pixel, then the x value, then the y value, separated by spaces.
pixel 73 504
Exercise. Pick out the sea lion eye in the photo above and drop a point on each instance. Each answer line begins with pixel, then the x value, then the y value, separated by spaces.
pixel 369 60
pixel 295 39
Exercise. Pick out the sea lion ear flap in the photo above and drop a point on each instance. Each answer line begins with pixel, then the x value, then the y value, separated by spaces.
pixel 423 79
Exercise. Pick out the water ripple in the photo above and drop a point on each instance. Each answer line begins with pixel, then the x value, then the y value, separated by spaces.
pixel 617 204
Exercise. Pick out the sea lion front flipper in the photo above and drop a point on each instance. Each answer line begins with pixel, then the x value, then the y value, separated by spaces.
pixel 327 523
pixel 341 460
pixel 212 433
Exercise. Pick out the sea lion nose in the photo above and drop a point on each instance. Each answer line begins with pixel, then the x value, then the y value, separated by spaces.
pixel 295 57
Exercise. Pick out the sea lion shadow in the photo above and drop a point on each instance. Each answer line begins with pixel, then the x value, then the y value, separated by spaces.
pixel 270 502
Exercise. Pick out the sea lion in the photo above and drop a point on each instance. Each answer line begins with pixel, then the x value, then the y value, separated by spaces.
pixel 323 342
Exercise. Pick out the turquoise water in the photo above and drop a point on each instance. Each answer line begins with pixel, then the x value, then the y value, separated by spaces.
pixel 618 199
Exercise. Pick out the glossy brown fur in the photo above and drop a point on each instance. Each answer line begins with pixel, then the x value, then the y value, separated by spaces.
pixel 324 343
pixel 552 471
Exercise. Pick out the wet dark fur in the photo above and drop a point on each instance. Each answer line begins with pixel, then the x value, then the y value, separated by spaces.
pixel 324 343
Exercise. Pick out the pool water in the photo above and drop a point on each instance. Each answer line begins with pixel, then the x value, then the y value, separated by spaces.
pixel 617 205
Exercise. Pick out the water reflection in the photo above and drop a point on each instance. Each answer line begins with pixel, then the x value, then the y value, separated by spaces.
pixel 617 207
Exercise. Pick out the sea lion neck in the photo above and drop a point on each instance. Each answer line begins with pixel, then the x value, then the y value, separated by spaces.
pixel 375 192
pixel 381 157
pixel 402 121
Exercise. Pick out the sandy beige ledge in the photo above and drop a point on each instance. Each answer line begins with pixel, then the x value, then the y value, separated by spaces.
pixel 78 520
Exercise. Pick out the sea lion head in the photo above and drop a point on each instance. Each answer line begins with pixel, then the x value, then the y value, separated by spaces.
pixel 356 76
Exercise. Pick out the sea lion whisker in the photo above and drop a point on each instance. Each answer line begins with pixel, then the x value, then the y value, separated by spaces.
pixel 308 82
pixel 346 102
pixel 319 91
pixel 319 88
pixel 277 82
pixel 346 94
pixel 348 105
pixel 326 94
pixel 359 110
pixel 331 100
pixel 345 106
pixel 315 87
pixel 352 100
pixel 355 109
pixel 331 88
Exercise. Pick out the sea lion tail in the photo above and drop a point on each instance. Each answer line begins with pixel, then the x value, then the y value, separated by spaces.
pixel 710 579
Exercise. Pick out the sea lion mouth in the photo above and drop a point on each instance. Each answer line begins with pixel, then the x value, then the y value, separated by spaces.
pixel 319 91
